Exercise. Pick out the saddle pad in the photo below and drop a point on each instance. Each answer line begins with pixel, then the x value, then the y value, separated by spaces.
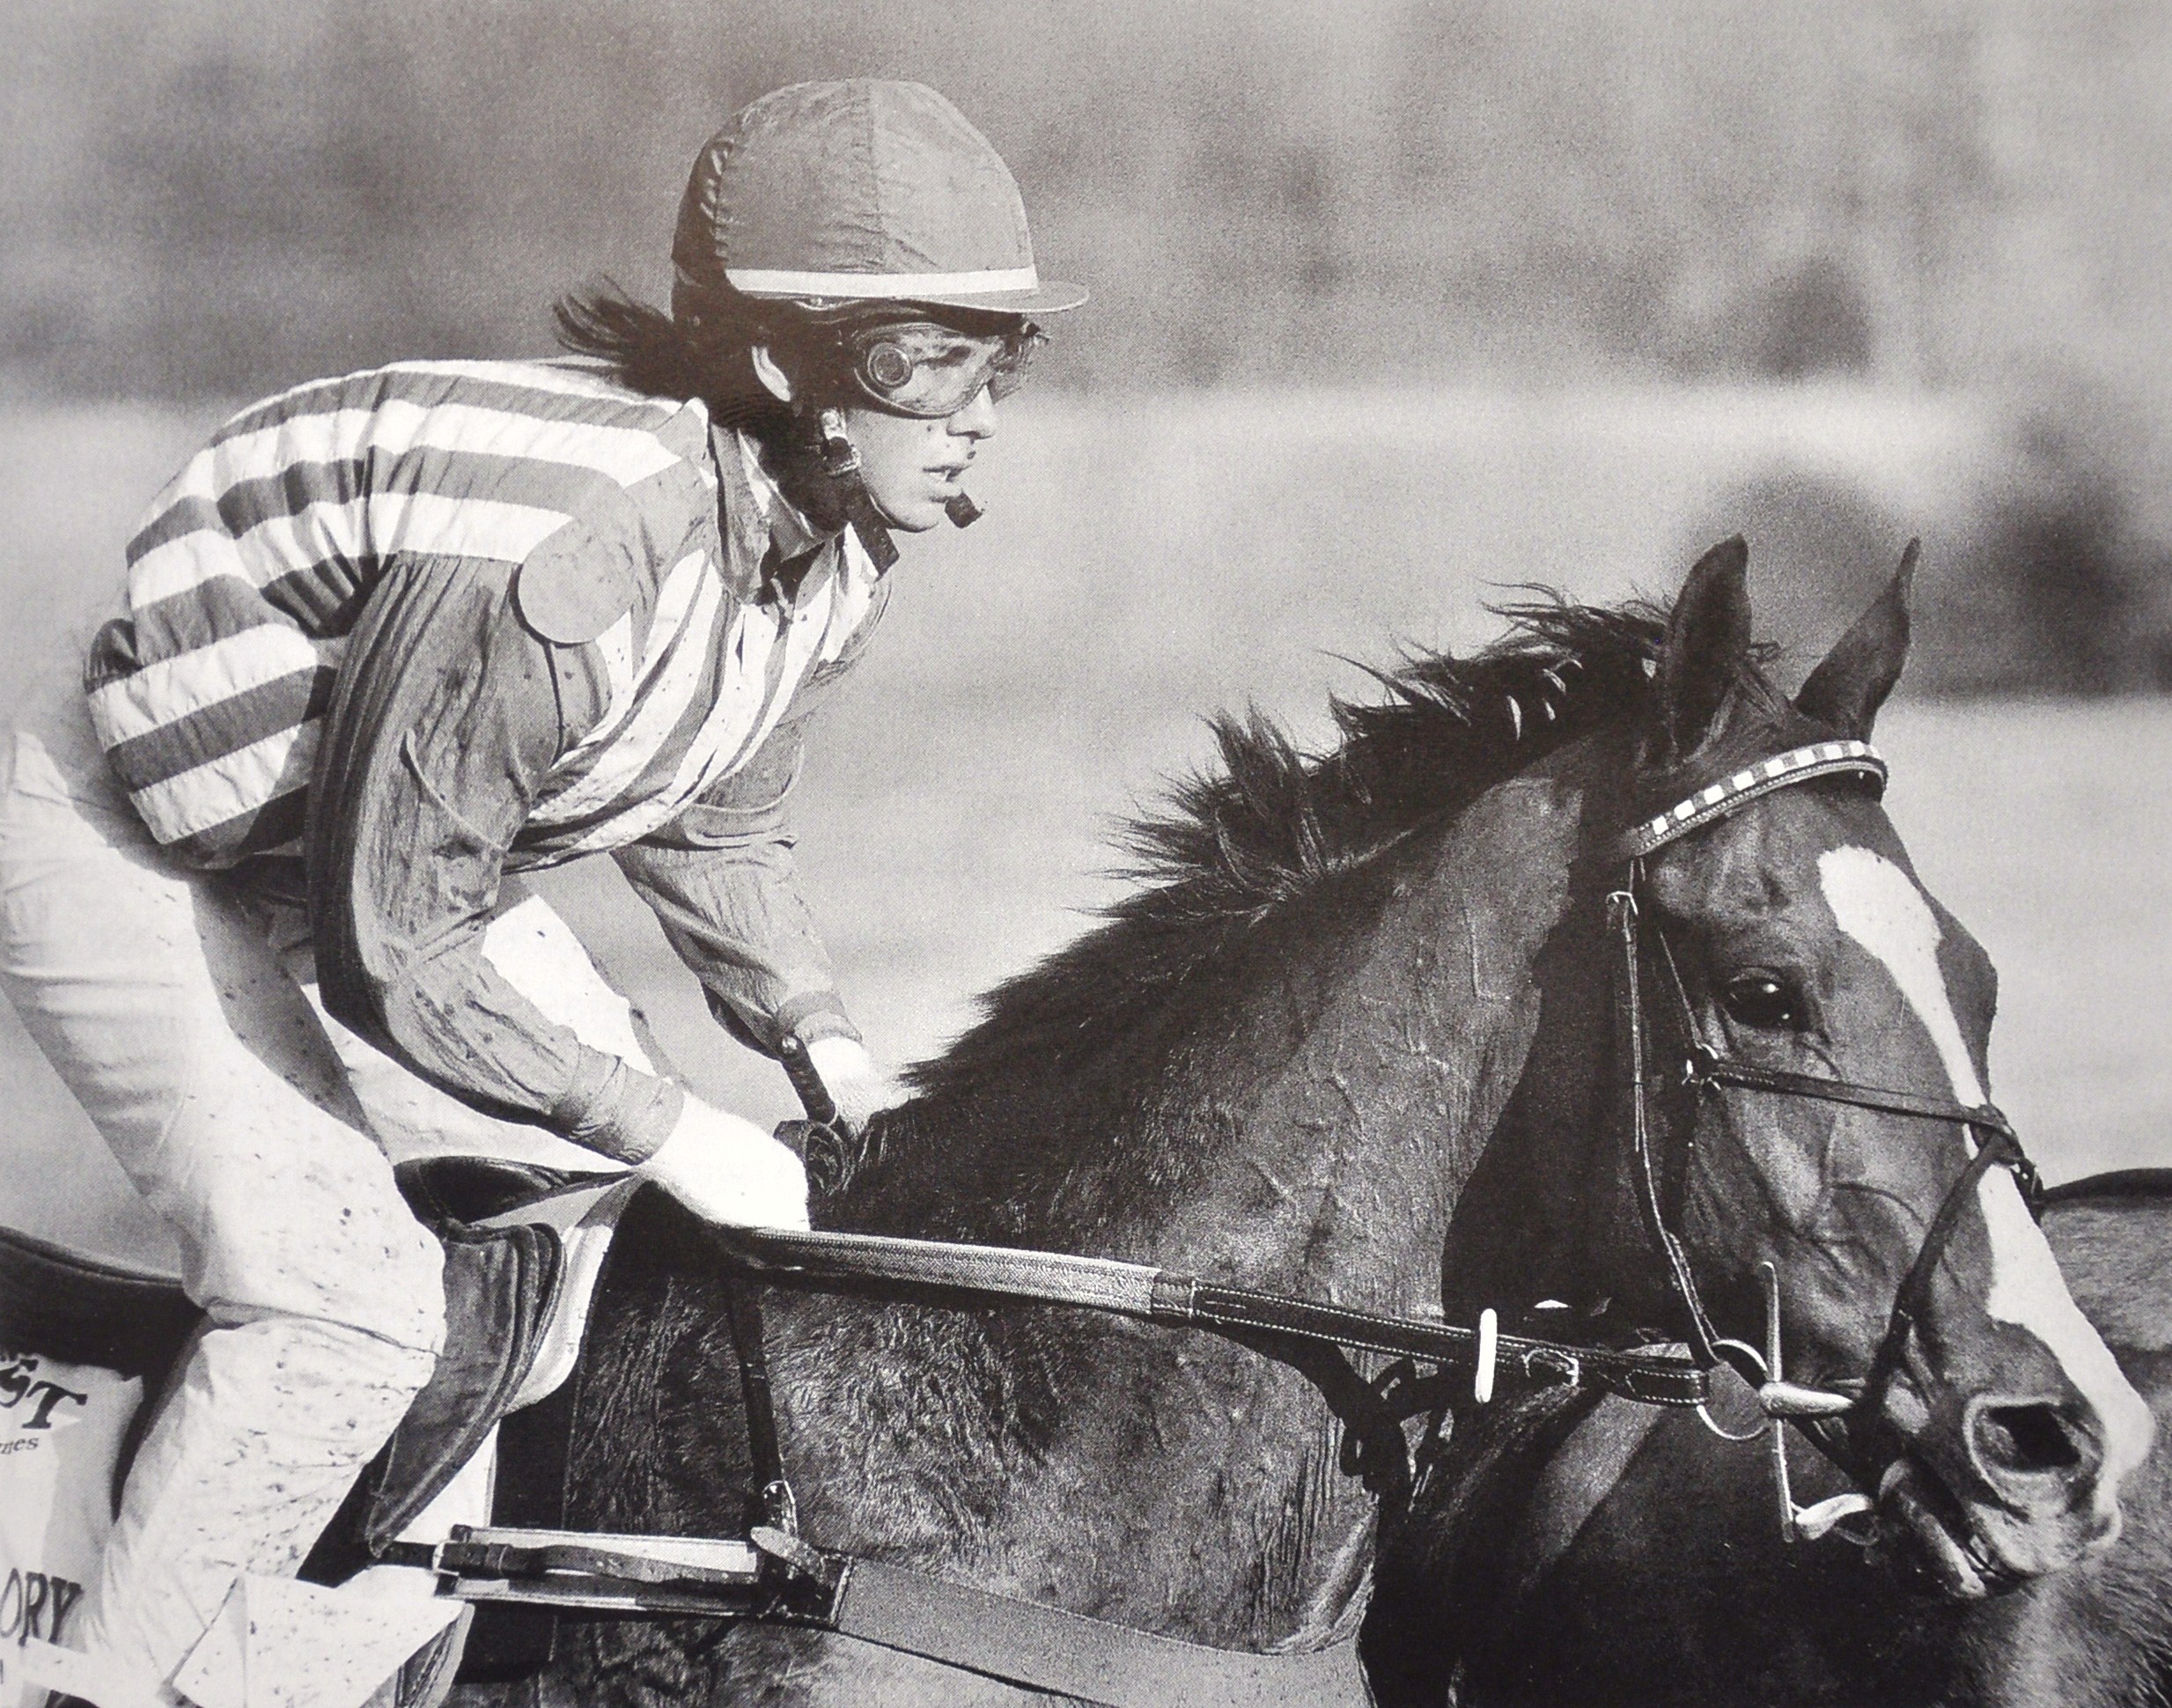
pixel 61 1427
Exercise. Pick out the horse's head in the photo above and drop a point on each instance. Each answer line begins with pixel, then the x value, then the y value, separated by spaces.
pixel 1790 940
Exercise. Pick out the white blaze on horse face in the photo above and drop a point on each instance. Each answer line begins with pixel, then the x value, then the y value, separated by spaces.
pixel 1881 907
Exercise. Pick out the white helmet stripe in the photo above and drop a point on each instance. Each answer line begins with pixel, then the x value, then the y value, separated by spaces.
pixel 777 283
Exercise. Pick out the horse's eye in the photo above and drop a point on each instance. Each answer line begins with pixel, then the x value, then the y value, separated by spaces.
pixel 1761 1000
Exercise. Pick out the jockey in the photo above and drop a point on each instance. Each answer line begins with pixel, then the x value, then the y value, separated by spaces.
pixel 391 639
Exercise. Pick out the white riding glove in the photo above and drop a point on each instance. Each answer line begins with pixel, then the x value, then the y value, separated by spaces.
pixel 725 1169
pixel 860 1088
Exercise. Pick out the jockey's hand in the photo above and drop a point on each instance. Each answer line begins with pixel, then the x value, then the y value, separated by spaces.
pixel 860 1088
pixel 726 1169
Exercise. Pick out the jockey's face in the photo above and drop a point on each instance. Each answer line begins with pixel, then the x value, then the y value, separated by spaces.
pixel 912 466
pixel 912 463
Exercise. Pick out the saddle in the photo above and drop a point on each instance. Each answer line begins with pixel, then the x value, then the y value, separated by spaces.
pixel 524 1247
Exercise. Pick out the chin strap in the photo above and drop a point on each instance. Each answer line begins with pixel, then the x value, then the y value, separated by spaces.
pixel 841 461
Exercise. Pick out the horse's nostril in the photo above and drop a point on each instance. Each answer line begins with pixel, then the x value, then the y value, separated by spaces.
pixel 2025 1438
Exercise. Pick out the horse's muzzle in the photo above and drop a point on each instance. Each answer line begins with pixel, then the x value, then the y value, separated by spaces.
pixel 2026 1500
pixel 2042 1499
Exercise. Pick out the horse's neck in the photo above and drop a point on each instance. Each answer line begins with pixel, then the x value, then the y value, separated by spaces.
pixel 1545 1212
pixel 1315 1127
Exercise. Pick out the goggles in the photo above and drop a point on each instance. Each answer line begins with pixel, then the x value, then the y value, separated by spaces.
pixel 924 369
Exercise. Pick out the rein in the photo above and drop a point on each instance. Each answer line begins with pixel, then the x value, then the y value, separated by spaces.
pixel 1154 1295
pixel 1029 1644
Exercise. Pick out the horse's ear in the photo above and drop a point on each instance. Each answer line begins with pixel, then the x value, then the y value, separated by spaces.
pixel 1707 640
pixel 1847 689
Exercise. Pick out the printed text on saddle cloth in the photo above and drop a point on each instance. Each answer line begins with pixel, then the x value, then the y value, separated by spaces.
pixel 1882 908
pixel 61 1427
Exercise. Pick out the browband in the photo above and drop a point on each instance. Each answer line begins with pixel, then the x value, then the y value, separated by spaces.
pixel 1761 778
pixel 1797 765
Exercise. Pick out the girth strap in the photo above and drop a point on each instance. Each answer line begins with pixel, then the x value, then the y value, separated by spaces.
pixel 743 1304
pixel 1045 1648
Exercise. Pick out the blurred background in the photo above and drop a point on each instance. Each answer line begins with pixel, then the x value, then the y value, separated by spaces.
pixel 1398 306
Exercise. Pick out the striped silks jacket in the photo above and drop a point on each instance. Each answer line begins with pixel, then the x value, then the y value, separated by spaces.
pixel 247 574
pixel 499 615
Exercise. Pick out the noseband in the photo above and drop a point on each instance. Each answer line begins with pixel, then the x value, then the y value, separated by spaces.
pixel 1702 1071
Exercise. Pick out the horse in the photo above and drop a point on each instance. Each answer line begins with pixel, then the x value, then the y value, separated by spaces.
pixel 1353 994
pixel 1573 1555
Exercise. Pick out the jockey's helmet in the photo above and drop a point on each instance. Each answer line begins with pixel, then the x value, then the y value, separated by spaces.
pixel 864 192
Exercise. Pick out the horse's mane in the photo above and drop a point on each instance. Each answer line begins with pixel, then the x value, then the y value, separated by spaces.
pixel 1273 824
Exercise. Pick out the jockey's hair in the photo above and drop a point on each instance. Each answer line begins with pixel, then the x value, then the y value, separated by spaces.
pixel 709 357
pixel 650 351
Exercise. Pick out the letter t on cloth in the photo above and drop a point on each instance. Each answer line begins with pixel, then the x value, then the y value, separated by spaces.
pixel 280 1644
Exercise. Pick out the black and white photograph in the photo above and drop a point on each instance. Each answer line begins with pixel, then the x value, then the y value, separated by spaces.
pixel 1260 854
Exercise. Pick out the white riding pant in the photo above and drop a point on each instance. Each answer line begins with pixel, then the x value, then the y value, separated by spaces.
pixel 183 1019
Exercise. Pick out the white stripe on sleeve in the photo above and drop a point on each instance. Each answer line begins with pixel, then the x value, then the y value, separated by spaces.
pixel 216 791
pixel 171 688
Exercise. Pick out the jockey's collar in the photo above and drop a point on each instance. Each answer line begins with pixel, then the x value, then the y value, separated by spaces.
pixel 762 529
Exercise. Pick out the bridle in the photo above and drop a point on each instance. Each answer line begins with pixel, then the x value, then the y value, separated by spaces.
pixel 1700 1072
